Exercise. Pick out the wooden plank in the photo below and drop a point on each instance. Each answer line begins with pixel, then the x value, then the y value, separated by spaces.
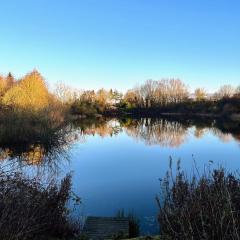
pixel 99 228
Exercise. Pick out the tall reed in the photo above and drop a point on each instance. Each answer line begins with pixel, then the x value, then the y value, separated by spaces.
pixel 204 206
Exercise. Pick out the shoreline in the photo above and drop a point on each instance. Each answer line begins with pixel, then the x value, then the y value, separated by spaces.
pixel 143 114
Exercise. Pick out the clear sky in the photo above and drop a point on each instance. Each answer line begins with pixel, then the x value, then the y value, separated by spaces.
pixel 119 43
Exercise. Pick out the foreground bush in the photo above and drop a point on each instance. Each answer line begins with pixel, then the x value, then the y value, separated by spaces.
pixel 29 210
pixel 203 207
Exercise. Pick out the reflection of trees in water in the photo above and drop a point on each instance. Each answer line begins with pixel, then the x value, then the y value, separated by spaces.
pixel 199 132
pixel 165 132
pixel 237 136
pixel 33 156
pixel 47 154
pixel 224 137
pixel 158 132
pixel 173 133
pixel 227 136
pixel 231 130
pixel 103 128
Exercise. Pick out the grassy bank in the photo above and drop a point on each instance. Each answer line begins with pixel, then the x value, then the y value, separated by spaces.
pixel 223 108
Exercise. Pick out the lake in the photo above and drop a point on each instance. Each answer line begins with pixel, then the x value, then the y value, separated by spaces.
pixel 116 163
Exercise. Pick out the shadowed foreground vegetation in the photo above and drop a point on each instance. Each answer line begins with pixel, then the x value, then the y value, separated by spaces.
pixel 30 209
pixel 201 207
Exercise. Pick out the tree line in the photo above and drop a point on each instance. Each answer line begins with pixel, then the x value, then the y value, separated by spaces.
pixel 167 95
pixel 31 92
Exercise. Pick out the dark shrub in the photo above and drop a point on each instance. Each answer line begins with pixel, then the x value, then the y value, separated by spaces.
pixel 29 210
pixel 207 207
pixel 83 108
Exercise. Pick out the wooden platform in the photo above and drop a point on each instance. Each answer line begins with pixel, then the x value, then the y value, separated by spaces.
pixel 99 228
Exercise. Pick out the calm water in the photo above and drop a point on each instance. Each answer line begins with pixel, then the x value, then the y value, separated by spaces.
pixel 117 164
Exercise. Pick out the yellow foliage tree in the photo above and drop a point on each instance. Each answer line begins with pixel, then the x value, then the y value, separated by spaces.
pixel 200 94
pixel 29 93
pixel 131 98
pixel 3 86
pixel 102 98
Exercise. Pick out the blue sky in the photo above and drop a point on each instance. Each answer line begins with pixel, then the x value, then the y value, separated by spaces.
pixel 119 43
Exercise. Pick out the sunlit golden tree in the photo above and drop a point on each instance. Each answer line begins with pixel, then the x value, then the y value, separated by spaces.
pixel 131 99
pixel 28 93
pixel 3 86
pixel 200 94
pixel 10 80
pixel 103 99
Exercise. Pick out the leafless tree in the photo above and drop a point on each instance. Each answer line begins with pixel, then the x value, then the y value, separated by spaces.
pixel 226 91
pixel 159 93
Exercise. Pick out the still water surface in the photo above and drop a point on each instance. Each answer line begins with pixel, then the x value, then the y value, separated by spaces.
pixel 119 167
pixel 116 164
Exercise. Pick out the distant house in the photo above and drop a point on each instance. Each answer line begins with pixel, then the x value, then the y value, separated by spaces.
pixel 209 96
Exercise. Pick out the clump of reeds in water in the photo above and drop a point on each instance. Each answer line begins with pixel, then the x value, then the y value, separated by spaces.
pixel 30 209
pixel 205 206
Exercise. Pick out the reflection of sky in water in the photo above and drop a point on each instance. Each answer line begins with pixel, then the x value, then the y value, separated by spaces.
pixel 116 168
pixel 118 172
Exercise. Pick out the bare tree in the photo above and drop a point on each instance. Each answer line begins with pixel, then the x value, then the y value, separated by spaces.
pixel 226 91
pixel 159 93
pixel 66 94
pixel 237 92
